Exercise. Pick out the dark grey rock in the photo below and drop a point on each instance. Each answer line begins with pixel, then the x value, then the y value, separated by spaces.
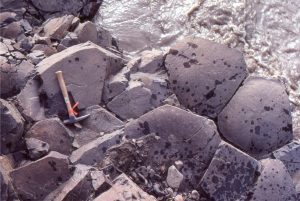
pixel 124 189
pixel 289 155
pixel 12 127
pixel 36 148
pixel 183 136
pixel 274 183
pixel 131 103
pixel 69 40
pixel 230 174
pixel 11 30
pixel 37 179
pixel 258 119
pixel 204 75
pixel 94 151
pixel 53 132
pixel 78 63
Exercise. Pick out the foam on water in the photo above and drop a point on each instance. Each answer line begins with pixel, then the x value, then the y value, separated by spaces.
pixel 267 32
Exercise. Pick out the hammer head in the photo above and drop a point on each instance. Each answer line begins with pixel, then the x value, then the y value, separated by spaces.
pixel 74 119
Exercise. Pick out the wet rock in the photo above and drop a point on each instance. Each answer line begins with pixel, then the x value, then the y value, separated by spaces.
pixel 37 179
pixel 289 155
pixel 274 183
pixel 259 124
pixel 81 186
pixel 230 174
pixel 13 74
pixel 94 151
pixel 36 148
pixel 151 61
pixel 183 136
pixel 77 63
pixel 29 102
pixel 100 121
pixel 174 177
pixel 53 132
pixel 124 189
pixel 7 190
pixel 12 127
pixel 36 56
pixel 132 103
pixel 87 31
pixel 204 75
pixel 57 28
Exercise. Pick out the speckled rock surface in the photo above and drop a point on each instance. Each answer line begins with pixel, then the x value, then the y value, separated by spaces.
pixel 274 183
pixel 183 136
pixel 53 132
pixel 12 127
pixel 78 63
pixel 257 121
pixel 204 75
pixel 230 174
pixel 36 179
pixel 124 189
pixel 289 155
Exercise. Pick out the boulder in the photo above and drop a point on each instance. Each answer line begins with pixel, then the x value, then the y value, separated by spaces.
pixel 29 101
pixel 87 31
pixel 289 155
pixel 77 63
pixel 131 103
pixel 57 28
pixel 53 132
pixel 34 181
pixel 204 75
pixel 230 174
pixel 151 61
pixel 100 121
pixel 124 189
pixel 12 127
pixel 274 183
pixel 257 119
pixel 11 30
pixel 36 148
pixel 183 136
pixel 94 151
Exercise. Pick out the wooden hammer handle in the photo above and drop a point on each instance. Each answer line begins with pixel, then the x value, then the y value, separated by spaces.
pixel 64 92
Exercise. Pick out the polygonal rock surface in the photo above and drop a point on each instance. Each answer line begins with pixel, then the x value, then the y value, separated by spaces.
pixel 36 148
pixel 37 179
pixel 12 126
pixel 124 189
pixel 78 63
pixel 230 174
pixel 53 132
pixel 183 136
pixel 57 28
pixel 290 156
pixel 204 75
pixel 274 183
pixel 257 119
pixel 93 152
pixel 131 103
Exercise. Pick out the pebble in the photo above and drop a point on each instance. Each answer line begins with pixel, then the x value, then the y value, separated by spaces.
pixel 195 195
pixel 174 177
pixel 179 164
pixel 178 198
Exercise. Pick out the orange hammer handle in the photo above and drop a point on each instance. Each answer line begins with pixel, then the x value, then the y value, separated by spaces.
pixel 64 92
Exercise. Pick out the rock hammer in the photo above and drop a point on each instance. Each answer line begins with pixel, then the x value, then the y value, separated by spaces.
pixel 72 114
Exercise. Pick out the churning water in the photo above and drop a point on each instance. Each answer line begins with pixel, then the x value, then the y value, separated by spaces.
pixel 267 32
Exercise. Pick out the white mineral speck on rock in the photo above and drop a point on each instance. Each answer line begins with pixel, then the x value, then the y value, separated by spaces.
pixel 174 177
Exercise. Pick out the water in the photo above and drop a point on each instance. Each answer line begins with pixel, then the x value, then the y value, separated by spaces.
pixel 267 32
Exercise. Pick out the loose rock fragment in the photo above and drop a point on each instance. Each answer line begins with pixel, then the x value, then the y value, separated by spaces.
pixel 174 177
pixel 36 148
pixel 274 183
pixel 87 31
pixel 151 61
pixel 37 179
pixel 204 75
pixel 12 126
pixel 258 121
pixel 230 174
pixel 53 132
pixel 124 189
pixel 78 63
pixel 7 191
